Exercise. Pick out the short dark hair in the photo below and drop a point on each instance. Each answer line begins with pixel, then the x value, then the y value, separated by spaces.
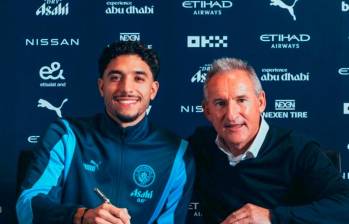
pixel 116 49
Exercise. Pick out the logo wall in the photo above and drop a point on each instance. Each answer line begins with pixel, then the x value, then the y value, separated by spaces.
pixel 207 8
pixel 207 41
pixel 284 109
pixel 127 8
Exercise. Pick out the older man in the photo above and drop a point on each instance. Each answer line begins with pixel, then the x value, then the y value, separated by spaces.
pixel 250 172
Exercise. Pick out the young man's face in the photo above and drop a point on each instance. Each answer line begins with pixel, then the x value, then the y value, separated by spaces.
pixel 127 87
pixel 234 109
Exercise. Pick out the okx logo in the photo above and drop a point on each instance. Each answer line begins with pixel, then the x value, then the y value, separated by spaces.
pixel 45 104
pixel 283 5
pixel 207 41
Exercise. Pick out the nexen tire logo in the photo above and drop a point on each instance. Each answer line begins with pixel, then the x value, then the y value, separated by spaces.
pixel 207 41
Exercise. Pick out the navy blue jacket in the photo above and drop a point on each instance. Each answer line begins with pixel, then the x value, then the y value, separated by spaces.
pixel 290 176
pixel 145 169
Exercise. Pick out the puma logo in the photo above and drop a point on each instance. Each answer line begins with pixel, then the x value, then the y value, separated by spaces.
pixel 282 5
pixel 92 166
pixel 45 103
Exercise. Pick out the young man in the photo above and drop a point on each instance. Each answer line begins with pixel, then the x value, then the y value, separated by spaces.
pixel 250 172
pixel 145 173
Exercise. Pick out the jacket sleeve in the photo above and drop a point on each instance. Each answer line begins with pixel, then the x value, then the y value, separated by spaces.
pixel 327 194
pixel 40 191
pixel 177 194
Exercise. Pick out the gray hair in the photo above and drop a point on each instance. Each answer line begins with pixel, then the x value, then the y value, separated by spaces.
pixel 230 64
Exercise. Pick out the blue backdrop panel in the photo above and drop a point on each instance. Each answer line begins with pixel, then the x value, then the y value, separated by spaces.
pixel 50 48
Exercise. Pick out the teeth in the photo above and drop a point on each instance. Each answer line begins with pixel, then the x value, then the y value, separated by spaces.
pixel 127 101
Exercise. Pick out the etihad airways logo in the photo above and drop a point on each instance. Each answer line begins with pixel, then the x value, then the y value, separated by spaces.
pixel 283 5
pixel 54 72
pixel 195 208
pixel 207 8
pixel 281 41
pixel 200 75
pixel 53 8
pixel 283 75
pixel 127 8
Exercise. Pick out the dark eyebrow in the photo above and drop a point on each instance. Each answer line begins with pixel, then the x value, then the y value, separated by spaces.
pixel 112 72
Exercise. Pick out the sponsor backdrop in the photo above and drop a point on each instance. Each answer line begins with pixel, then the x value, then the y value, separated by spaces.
pixel 299 48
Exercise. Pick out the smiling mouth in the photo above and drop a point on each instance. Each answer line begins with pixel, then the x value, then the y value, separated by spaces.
pixel 233 126
pixel 126 100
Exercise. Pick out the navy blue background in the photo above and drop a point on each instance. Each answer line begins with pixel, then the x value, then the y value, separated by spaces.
pixel 322 97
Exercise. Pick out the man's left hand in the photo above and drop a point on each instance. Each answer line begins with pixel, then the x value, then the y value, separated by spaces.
pixel 249 214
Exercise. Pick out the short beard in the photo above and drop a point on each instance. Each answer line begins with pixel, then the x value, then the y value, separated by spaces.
pixel 125 118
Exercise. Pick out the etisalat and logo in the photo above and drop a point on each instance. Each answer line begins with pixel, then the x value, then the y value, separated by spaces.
pixel 45 104
pixel 57 42
pixel 53 8
pixel 143 176
pixel 212 41
pixel 283 75
pixel 284 41
pixel 207 8
pixel 283 5
pixel 52 75
pixel 127 8
pixel 285 108
pixel 345 6
pixel 200 75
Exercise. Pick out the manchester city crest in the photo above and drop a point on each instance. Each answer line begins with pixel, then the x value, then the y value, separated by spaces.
pixel 144 175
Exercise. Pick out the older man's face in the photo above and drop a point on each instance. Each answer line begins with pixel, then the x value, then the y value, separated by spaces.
pixel 234 109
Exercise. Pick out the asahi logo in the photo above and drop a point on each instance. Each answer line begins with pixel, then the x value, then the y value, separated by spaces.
pixel 200 75
pixel 207 8
pixel 52 75
pixel 281 41
pixel 207 41
pixel 53 8
pixel 142 195
pixel 284 109
pixel 127 8
pixel 283 75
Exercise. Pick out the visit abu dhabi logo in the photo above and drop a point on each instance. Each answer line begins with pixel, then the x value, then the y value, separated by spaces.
pixel 288 7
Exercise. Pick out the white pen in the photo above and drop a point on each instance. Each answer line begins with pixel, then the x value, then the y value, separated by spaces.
pixel 101 195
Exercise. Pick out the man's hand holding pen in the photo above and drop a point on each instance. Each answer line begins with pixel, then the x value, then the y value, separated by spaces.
pixel 106 213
